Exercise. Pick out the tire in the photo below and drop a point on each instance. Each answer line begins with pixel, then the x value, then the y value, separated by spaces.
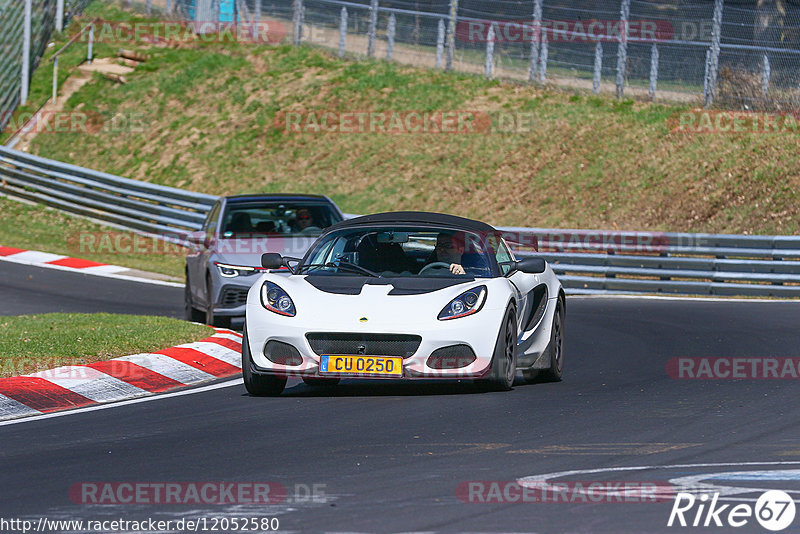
pixel 504 360
pixel 321 382
pixel 556 347
pixel 191 313
pixel 217 321
pixel 258 384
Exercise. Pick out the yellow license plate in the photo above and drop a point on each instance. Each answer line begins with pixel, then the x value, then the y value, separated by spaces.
pixel 340 364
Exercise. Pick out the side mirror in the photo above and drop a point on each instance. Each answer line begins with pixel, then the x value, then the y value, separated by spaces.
pixel 531 265
pixel 271 260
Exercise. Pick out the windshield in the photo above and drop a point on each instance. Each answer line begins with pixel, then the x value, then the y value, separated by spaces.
pixel 401 251
pixel 278 218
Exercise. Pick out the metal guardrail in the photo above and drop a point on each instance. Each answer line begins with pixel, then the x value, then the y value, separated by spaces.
pixel 129 203
pixel 586 261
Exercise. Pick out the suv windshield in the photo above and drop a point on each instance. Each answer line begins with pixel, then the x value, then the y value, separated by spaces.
pixel 279 218
pixel 400 251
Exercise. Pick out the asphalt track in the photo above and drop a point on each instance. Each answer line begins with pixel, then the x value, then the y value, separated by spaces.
pixel 389 457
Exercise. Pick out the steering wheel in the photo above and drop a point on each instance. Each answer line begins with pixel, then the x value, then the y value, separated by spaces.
pixel 435 265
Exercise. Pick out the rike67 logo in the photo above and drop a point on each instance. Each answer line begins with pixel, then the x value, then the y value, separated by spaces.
pixel 774 510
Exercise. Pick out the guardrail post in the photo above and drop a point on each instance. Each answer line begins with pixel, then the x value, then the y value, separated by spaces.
pixel 451 35
pixel 653 72
pixel 765 73
pixel 257 18
pixel 713 65
pixel 440 45
pixel 706 75
pixel 26 54
pixel 55 79
pixel 90 52
pixel 60 16
pixel 598 67
pixel 543 60
pixel 297 21
pixel 390 37
pixel 622 48
pixel 373 27
pixel 342 31
pixel 537 31
pixel 488 69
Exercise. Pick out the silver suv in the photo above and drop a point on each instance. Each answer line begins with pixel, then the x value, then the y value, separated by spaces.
pixel 223 263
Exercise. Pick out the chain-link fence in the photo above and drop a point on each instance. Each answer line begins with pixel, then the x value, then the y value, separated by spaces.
pixel 43 15
pixel 739 53
pixel 736 53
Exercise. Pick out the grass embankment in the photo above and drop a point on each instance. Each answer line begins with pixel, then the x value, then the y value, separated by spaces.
pixel 35 227
pixel 31 343
pixel 209 113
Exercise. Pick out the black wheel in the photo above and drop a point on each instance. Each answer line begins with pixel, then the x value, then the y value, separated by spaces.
pixel 191 313
pixel 321 382
pixel 504 360
pixel 258 384
pixel 211 319
pixel 556 347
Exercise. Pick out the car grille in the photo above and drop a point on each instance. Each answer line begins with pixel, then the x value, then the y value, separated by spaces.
pixel 233 297
pixel 404 345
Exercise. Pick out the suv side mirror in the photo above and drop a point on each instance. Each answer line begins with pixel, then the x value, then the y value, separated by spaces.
pixel 271 260
pixel 531 265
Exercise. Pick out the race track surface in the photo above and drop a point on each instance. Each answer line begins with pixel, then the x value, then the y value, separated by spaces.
pixel 391 457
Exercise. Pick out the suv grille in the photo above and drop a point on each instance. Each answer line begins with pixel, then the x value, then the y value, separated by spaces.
pixel 404 345
pixel 233 297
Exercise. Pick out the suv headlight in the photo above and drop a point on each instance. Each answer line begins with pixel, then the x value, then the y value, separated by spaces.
pixel 276 300
pixel 466 303
pixel 232 271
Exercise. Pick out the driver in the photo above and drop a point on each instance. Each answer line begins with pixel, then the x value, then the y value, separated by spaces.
pixel 304 220
pixel 449 248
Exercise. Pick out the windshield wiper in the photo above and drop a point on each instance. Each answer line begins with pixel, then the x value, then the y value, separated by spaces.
pixel 345 265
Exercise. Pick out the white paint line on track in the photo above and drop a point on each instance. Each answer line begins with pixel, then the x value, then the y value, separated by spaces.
pixel 547 478
pixel 236 382
pixel 101 274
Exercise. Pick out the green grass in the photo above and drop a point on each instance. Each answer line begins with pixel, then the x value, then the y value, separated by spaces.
pixel 34 227
pixel 587 161
pixel 30 343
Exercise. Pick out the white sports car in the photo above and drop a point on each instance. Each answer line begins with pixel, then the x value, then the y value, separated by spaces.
pixel 405 295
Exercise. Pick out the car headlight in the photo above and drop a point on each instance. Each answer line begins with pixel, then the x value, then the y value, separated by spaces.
pixel 466 303
pixel 276 300
pixel 232 271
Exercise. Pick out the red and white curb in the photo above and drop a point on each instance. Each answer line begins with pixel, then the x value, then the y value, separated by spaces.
pixel 66 263
pixel 123 378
